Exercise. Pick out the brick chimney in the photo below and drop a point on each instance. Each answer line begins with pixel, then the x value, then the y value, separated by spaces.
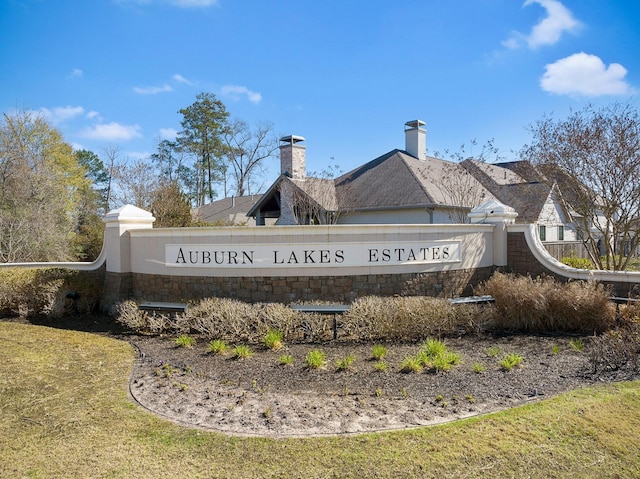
pixel 415 139
pixel 293 156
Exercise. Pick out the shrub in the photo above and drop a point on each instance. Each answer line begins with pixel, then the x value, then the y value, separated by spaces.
pixel 543 305
pixel 43 291
pixel 575 262
pixel 131 316
pixel 403 318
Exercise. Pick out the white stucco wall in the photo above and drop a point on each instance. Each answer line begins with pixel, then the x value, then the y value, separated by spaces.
pixel 348 249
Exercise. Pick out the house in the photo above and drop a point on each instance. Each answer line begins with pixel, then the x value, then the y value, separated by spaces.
pixel 227 211
pixel 408 186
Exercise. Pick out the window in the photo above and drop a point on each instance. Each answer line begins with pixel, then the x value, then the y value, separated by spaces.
pixel 561 233
pixel 542 231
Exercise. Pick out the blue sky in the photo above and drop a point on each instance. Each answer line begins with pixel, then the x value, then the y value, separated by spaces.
pixel 346 75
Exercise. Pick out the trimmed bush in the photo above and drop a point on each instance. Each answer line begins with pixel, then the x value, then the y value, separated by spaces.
pixel 409 318
pixel 131 316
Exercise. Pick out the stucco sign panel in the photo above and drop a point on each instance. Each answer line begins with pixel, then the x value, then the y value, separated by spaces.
pixel 311 255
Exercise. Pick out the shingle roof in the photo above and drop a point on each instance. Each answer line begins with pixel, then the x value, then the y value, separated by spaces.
pixel 517 184
pixel 231 210
pixel 397 179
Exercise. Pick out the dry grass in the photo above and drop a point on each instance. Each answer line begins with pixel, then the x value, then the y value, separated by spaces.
pixel 64 412
pixel 545 305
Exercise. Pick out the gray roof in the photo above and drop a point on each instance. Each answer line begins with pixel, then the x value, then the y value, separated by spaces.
pixel 517 184
pixel 232 210
pixel 398 179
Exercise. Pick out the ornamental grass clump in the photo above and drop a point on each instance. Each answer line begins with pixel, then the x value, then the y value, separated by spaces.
pixel 242 352
pixel 345 363
pixel 185 341
pixel 378 352
pixel 511 361
pixel 536 305
pixel 316 359
pixel 436 355
pixel 273 340
pixel 217 346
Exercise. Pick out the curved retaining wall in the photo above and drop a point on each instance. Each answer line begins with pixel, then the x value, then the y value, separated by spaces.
pixel 526 255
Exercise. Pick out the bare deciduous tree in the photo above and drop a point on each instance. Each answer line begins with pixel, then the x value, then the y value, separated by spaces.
pixel 247 150
pixel 594 156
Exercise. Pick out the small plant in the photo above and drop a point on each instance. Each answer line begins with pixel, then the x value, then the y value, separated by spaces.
pixel 185 341
pixel 510 361
pixel 471 398
pixel 380 366
pixel 378 352
pixel 404 393
pixel 493 351
pixel 576 344
pixel 267 413
pixel 316 359
pixel 379 392
pixel 286 359
pixel 345 363
pixel 242 352
pixel 433 348
pixel 555 349
pixel 411 364
pixel 217 346
pixel 273 339
pixel 165 370
pixel 445 361
pixel 479 368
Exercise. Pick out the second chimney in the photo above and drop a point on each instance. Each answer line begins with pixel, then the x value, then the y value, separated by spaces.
pixel 293 156
pixel 415 137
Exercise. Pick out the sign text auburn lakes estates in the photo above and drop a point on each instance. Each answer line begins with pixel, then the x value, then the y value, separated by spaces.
pixel 310 254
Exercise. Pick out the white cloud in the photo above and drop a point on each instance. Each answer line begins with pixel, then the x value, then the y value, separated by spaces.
pixel 61 114
pixel 152 90
pixel 93 115
pixel 548 31
pixel 76 73
pixel 112 132
pixel 235 92
pixel 180 79
pixel 583 74
pixel 168 133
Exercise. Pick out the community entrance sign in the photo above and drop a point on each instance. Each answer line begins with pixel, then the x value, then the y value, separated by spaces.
pixel 310 255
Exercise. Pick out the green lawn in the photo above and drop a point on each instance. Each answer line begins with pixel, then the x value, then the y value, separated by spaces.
pixel 65 413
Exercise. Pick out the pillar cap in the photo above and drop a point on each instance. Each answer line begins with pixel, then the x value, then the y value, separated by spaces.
pixel 493 211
